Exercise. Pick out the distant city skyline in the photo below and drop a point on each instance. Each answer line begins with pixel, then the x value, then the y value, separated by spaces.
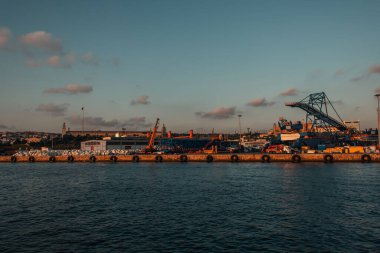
pixel 193 64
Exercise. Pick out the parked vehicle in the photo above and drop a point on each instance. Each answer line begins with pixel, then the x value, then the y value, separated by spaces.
pixel 280 149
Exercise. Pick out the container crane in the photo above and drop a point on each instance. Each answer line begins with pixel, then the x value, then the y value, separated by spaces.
pixel 149 148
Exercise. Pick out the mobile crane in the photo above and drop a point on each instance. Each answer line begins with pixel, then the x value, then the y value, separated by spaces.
pixel 150 147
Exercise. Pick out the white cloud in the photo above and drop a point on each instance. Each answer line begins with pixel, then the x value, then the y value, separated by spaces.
pixel 142 100
pixel 136 123
pixel 5 35
pixel 93 121
pixel 289 92
pixel 42 40
pixel 374 69
pixel 41 49
pixel 70 89
pixel 260 102
pixel 62 60
pixel 218 113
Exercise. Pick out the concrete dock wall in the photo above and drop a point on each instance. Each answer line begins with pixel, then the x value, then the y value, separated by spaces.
pixel 204 158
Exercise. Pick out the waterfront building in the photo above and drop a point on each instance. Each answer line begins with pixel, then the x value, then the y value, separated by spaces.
pixel 129 143
pixel 108 133
pixel 354 124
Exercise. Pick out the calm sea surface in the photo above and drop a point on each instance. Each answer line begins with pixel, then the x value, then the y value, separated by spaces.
pixel 194 207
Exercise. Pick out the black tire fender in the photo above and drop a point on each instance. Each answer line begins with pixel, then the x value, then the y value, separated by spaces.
pixel 328 158
pixel 52 159
pixel 70 158
pixel 113 158
pixel 183 158
pixel 13 159
pixel 158 158
pixel 209 158
pixel 265 158
pixel 31 159
pixel 234 158
pixel 366 159
pixel 296 159
pixel 92 158
pixel 135 158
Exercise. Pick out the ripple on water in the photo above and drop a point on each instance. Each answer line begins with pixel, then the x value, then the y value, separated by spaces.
pixel 193 207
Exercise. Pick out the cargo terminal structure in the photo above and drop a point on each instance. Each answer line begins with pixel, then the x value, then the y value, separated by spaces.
pixel 322 129
pixel 320 137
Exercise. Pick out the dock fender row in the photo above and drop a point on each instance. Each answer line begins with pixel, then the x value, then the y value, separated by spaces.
pixel 366 159
pixel 135 158
pixel 113 158
pixel 183 158
pixel 52 159
pixel 209 158
pixel 70 158
pixel 296 159
pixel 234 158
pixel 13 159
pixel 265 158
pixel 31 159
pixel 92 159
pixel 328 158
pixel 158 158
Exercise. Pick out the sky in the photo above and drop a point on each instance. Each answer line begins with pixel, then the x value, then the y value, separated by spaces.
pixel 193 64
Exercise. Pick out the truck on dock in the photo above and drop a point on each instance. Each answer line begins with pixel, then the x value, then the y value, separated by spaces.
pixel 279 149
pixel 354 149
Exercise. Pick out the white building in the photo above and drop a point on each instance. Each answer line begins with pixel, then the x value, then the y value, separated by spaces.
pixel 355 124
pixel 93 145
pixel 121 144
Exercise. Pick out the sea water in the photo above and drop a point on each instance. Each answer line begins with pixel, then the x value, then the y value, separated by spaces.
pixel 189 207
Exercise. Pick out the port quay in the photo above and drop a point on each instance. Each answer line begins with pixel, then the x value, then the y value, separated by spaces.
pixel 264 158
pixel 323 137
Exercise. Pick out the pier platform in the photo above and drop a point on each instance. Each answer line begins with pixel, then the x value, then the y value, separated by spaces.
pixel 295 158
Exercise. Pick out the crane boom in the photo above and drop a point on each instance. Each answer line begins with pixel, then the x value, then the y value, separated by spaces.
pixel 153 135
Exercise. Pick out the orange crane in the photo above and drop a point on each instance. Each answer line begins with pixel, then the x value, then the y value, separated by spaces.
pixel 149 148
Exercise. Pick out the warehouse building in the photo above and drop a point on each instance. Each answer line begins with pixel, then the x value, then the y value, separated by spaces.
pixel 119 143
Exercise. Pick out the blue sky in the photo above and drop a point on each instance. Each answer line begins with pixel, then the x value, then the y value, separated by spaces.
pixel 194 64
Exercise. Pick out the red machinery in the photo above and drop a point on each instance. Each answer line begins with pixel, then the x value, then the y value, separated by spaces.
pixel 150 147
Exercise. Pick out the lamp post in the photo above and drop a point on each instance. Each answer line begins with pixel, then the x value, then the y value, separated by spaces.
pixel 378 119
pixel 82 120
pixel 239 116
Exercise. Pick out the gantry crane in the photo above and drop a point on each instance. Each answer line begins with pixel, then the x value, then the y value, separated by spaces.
pixel 316 106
